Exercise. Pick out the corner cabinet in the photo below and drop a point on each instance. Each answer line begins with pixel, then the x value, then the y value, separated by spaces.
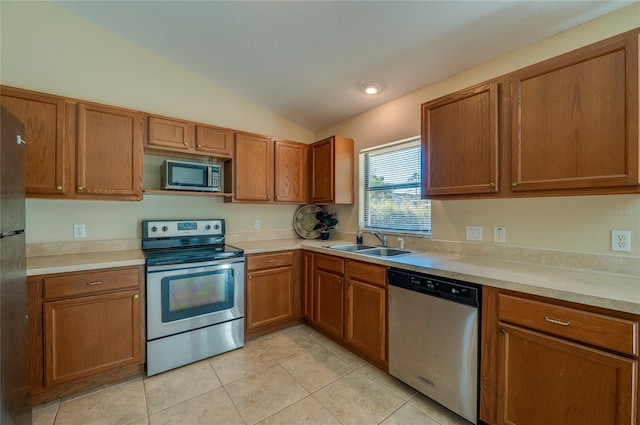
pixel 332 171
pixel 575 119
pixel 460 142
pixel 87 329
pixel 580 363
pixel 267 170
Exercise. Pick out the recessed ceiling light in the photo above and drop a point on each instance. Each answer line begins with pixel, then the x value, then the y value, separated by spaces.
pixel 371 88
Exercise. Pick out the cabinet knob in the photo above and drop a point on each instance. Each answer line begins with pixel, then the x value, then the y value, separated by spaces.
pixel 514 184
pixel 58 187
pixel 492 184
pixel 199 146
pixel 268 196
pixel 249 277
pixel 80 188
pixel 136 296
pixel 502 331
pixel 185 143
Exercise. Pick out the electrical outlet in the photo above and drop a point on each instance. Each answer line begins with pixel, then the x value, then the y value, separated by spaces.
pixel 474 233
pixel 499 234
pixel 79 231
pixel 621 240
pixel 257 224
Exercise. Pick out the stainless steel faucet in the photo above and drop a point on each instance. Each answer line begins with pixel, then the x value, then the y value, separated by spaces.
pixel 382 238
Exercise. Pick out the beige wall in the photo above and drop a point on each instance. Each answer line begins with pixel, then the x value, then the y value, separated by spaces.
pixel 47 49
pixel 44 48
pixel 580 224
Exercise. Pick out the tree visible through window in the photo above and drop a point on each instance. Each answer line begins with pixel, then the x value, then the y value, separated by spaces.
pixel 391 190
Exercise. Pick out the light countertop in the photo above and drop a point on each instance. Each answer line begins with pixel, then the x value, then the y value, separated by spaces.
pixel 607 290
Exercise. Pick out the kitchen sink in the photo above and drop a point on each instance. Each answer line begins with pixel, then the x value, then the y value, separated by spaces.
pixel 376 251
pixel 353 247
pixel 385 252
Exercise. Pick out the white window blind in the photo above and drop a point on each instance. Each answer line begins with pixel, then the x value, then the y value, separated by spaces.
pixel 391 189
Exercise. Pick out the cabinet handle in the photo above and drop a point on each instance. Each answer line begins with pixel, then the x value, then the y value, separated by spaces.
pixel 58 187
pixel 514 184
pixel 97 282
pixel 271 261
pixel 80 188
pixel 136 296
pixel 492 184
pixel 556 321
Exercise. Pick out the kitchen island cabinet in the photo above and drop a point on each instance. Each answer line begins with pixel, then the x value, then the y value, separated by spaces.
pixel 580 363
pixel 87 329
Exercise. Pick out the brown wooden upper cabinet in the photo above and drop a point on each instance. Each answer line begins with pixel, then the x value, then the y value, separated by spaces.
pixel 268 170
pixel 77 149
pixel 109 152
pixel 460 142
pixel 171 135
pixel 574 119
pixel 332 171
pixel 47 159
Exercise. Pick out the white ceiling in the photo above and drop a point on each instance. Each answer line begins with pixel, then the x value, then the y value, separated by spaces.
pixel 307 60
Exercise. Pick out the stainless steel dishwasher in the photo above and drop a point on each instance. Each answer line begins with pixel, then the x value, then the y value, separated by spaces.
pixel 433 338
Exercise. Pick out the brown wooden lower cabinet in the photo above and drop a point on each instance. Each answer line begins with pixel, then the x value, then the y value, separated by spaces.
pixel 273 292
pixel 87 329
pixel 350 304
pixel 546 361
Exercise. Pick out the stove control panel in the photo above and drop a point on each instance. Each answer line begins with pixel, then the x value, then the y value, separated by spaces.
pixel 176 228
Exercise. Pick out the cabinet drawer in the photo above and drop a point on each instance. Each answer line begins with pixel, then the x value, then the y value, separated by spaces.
pixel 265 261
pixel 329 263
pixel 367 272
pixel 88 283
pixel 603 331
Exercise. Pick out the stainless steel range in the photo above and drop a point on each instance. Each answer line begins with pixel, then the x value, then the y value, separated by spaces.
pixel 195 292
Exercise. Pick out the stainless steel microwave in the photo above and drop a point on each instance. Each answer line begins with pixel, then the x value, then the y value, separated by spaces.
pixel 197 176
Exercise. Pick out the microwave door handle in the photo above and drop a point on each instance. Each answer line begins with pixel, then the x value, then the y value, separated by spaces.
pixel 209 177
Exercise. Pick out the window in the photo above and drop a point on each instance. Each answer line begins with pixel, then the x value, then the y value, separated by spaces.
pixel 390 193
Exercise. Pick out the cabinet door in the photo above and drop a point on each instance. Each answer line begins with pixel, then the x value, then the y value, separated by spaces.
pixel 545 380
pixel 46 155
pixel 307 291
pixel 366 318
pixel 253 168
pixel 269 296
pixel 88 335
pixel 290 165
pixel 323 172
pixel 460 142
pixel 215 141
pixel 168 134
pixel 575 120
pixel 329 302
pixel 109 153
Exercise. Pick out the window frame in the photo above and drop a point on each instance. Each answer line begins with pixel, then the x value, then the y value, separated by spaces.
pixel 362 192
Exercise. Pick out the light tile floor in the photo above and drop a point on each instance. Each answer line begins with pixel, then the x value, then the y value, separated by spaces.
pixel 295 376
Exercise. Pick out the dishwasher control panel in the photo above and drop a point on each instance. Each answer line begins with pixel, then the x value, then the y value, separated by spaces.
pixel 451 289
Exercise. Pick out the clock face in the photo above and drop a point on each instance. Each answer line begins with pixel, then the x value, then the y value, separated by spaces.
pixel 304 221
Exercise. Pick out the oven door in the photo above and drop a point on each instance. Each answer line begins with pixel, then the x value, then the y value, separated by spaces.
pixel 195 295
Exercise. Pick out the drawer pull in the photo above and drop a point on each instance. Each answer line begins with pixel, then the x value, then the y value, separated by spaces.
pixel 271 261
pixel 97 282
pixel 557 322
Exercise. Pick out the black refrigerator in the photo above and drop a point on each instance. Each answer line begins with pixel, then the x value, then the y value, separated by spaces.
pixel 15 389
